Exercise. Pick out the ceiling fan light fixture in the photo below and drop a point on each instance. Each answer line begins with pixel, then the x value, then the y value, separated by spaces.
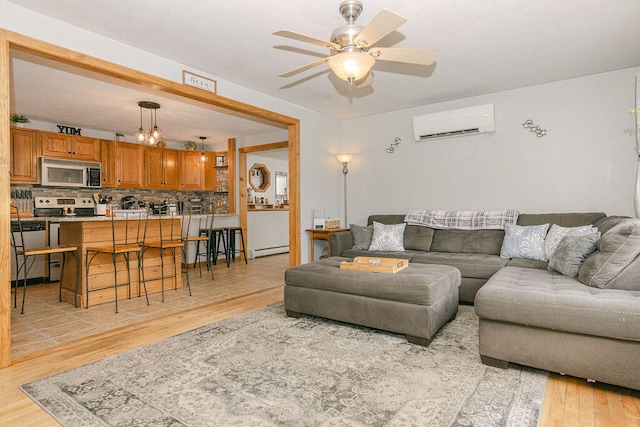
pixel 351 66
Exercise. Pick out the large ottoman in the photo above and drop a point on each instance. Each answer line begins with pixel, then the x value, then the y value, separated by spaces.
pixel 416 301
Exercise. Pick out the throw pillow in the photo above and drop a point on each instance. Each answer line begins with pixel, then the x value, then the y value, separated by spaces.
pixel 571 251
pixel 417 238
pixel 524 242
pixel 617 248
pixel 387 237
pixel 556 233
pixel 361 236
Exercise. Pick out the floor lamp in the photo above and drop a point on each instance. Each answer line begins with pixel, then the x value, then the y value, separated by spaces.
pixel 345 158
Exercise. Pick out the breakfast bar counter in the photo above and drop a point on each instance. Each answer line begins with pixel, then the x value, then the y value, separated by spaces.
pixel 89 232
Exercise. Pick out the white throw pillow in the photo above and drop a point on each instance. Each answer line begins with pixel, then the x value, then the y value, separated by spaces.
pixel 556 233
pixel 387 237
pixel 524 242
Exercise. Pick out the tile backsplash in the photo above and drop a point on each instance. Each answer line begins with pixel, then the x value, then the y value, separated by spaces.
pixel 217 202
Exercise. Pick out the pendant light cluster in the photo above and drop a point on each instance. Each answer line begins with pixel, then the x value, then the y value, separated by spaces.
pixel 154 135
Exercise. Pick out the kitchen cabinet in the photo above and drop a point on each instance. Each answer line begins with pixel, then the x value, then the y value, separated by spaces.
pixel 162 166
pixel 24 156
pixel 129 165
pixel 192 170
pixel 108 149
pixel 74 147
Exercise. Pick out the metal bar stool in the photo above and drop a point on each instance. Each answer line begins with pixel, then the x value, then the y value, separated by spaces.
pixel 231 244
pixel 20 250
pixel 123 246
pixel 216 235
pixel 170 243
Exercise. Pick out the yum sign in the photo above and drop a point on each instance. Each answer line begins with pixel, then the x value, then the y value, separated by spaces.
pixel 69 130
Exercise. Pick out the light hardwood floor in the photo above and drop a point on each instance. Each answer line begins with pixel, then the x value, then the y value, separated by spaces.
pixel 40 352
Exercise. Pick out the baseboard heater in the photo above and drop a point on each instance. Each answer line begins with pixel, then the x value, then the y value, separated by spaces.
pixel 255 253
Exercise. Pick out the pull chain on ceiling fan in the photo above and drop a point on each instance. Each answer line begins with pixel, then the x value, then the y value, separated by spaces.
pixel 352 54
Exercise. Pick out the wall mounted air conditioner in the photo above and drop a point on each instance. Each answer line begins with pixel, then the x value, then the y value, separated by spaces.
pixel 464 121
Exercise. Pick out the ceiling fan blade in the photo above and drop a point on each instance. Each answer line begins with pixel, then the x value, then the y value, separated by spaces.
pixel 408 55
pixel 382 24
pixel 304 67
pixel 307 39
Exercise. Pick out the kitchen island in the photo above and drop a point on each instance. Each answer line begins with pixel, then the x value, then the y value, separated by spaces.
pixel 84 232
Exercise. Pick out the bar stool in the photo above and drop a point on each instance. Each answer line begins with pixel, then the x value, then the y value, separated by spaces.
pixel 203 222
pixel 125 247
pixel 20 250
pixel 216 235
pixel 231 244
pixel 164 243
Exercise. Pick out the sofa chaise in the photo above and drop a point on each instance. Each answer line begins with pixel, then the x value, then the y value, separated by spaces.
pixel 585 324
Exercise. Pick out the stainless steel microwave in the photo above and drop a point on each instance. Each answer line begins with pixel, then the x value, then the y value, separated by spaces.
pixel 70 173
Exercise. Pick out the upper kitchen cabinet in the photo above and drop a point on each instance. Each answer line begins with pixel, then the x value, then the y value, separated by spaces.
pixel 192 170
pixel 64 146
pixel 129 165
pixel 108 163
pixel 24 156
pixel 162 166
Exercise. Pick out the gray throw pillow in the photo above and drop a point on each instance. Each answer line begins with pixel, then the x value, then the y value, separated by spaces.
pixel 387 237
pixel 361 236
pixel 557 232
pixel 617 248
pixel 524 242
pixel 571 251
pixel 418 238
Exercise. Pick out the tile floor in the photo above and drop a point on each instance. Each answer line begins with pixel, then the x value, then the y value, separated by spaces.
pixel 48 322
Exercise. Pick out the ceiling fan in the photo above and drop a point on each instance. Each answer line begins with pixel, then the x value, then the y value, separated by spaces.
pixel 352 51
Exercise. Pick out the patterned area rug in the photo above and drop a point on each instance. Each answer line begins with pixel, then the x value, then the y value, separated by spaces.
pixel 265 369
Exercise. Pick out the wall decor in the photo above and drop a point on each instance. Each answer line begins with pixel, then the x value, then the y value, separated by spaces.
pixel 394 145
pixel 69 130
pixel 534 128
pixel 192 79
pixel 259 177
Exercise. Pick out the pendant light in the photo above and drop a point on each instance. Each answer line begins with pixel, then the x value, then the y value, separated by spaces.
pixel 203 156
pixel 155 133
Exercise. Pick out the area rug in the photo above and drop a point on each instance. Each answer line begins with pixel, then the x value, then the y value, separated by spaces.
pixel 265 369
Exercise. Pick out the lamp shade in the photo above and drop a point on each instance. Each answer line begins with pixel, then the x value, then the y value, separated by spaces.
pixel 344 157
pixel 351 66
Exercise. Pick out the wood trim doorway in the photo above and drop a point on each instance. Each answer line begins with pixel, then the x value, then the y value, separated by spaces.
pixel 11 40
pixel 242 174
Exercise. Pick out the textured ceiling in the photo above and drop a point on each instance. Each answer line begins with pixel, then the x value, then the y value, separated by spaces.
pixel 485 46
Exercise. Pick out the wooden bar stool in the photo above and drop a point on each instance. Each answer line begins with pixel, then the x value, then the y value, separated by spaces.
pixel 130 244
pixel 231 244
pixel 162 244
pixel 20 250
pixel 203 222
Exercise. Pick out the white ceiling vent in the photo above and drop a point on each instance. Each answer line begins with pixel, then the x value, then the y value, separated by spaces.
pixel 464 121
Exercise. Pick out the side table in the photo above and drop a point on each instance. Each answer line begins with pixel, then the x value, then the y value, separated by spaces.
pixel 322 234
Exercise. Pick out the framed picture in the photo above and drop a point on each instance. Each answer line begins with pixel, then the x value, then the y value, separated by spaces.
pixel 219 160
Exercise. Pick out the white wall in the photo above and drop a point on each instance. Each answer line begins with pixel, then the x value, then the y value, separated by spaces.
pixel 320 135
pixel 586 162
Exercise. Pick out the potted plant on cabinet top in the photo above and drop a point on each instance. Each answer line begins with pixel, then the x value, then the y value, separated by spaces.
pixel 19 120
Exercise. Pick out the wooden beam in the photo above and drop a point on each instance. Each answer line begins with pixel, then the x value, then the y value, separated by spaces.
pixel 5 215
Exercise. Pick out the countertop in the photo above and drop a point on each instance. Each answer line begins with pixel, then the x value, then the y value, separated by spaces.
pixel 108 218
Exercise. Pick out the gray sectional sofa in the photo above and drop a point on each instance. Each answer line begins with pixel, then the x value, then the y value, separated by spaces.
pixel 586 326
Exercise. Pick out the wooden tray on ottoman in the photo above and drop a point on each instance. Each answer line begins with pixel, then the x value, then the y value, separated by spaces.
pixel 375 264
